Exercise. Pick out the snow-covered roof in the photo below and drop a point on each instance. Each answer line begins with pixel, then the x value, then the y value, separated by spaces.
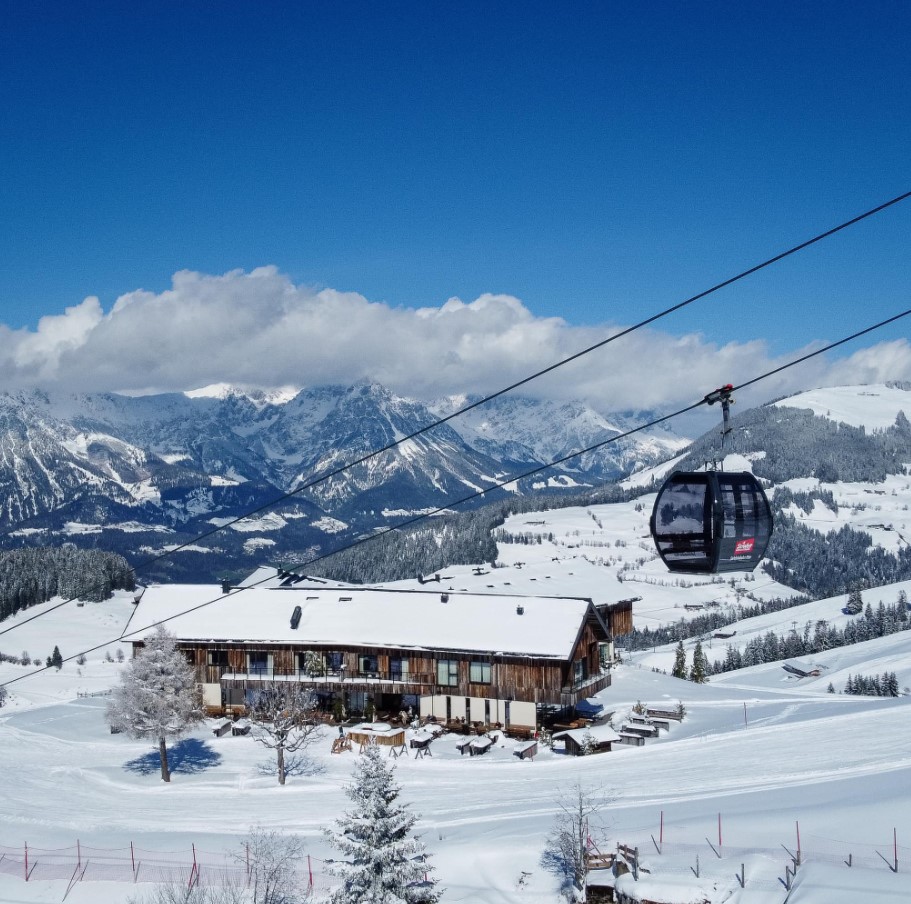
pixel 601 733
pixel 368 617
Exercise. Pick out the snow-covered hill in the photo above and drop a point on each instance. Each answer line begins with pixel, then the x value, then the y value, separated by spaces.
pixel 758 753
pixel 874 407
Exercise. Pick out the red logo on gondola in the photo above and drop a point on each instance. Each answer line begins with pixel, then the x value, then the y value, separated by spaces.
pixel 744 546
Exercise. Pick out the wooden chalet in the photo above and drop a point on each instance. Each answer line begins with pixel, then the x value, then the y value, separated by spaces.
pixel 481 658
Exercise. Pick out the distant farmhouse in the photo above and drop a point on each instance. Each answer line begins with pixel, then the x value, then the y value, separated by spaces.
pixel 482 657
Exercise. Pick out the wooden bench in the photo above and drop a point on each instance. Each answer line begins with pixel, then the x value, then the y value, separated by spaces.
pixel 521 734
pixel 463 746
pixel 665 714
pixel 240 728
pixel 644 731
pixel 221 730
pixel 633 740
pixel 650 720
pixel 526 750
pixel 479 746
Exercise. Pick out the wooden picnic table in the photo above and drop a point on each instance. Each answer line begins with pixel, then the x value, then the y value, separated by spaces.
pixel 525 750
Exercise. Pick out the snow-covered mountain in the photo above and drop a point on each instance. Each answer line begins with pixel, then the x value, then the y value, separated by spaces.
pixel 178 463
pixel 142 475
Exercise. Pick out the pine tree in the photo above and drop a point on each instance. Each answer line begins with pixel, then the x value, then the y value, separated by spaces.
pixel 679 670
pixel 158 696
pixel 386 864
pixel 55 660
pixel 699 668
pixel 855 603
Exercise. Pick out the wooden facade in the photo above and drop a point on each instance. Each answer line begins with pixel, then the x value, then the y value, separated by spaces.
pixel 404 672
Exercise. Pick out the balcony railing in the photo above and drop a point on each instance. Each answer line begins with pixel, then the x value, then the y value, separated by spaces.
pixel 215 673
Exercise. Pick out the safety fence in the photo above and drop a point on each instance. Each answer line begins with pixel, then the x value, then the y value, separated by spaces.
pixel 81 863
pixel 758 867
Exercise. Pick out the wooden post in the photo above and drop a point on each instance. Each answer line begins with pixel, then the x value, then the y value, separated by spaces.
pixel 310 870
pixel 78 854
pixel 247 846
pixel 696 871
pixel 661 832
pixel 745 723
pixel 26 861
pixel 719 832
pixel 798 843
pixel 741 876
pixel 895 847
pixel 194 872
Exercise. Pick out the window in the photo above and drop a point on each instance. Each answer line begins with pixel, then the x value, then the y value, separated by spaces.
pixel 258 663
pixel 398 668
pixel 335 660
pixel 479 672
pixel 580 671
pixel 448 672
pixel 218 657
pixel 367 665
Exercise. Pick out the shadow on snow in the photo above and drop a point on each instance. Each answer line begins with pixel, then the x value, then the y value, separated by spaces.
pixel 186 757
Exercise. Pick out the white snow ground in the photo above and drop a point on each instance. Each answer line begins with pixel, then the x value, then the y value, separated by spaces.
pixel 765 751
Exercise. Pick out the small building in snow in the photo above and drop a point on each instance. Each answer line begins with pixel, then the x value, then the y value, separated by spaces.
pixel 594 739
pixel 802 669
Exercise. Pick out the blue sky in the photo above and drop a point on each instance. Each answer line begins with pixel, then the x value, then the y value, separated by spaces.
pixel 597 161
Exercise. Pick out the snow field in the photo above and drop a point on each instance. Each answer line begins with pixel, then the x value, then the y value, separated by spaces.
pixel 762 749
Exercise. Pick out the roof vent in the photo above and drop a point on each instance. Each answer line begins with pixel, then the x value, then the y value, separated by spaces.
pixel 225 586
pixel 296 617
pixel 520 609
pixel 444 597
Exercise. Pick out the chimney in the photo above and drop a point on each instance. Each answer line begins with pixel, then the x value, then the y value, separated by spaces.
pixel 225 586
pixel 520 609
pixel 444 597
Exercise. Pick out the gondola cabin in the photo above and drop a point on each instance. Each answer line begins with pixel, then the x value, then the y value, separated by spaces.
pixel 711 522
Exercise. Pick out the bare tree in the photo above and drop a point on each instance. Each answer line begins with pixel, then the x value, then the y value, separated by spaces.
pixel 283 720
pixel 275 875
pixel 273 860
pixel 158 696
pixel 577 824
pixel 180 893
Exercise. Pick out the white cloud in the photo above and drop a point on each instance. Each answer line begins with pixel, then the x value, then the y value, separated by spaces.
pixel 259 329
